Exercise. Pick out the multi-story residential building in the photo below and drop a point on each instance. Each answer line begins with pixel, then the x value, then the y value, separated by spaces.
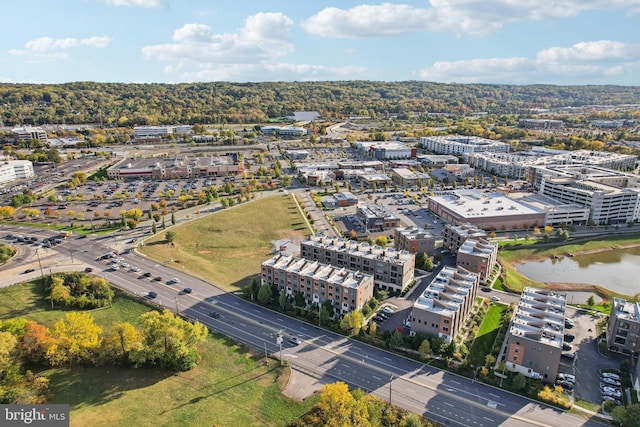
pixel 15 169
pixel 461 144
pixel 30 133
pixel 540 124
pixel 533 345
pixel 415 240
pixel 456 235
pixel 392 270
pixel 376 217
pixel 347 290
pixel 478 256
pixel 184 167
pixel 623 330
pixel 444 306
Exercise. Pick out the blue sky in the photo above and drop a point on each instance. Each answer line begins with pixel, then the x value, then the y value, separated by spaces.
pixel 463 41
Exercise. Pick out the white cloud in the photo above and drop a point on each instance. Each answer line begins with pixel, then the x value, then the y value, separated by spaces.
pixel 264 36
pixel 151 4
pixel 588 61
pixel 458 16
pixel 386 19
pixel 273 72
pixel 47 48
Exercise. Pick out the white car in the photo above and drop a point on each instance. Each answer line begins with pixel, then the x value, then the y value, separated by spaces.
pixel 611 381
pixel 124 265
pixel 115 267
pixel 174 280
pixel 495 298
pixel 388 310
pixel 610 375
pixel 567 377
pixel 135 269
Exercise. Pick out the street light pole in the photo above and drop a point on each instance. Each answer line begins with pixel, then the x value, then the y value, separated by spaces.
pixel 71 253
pixel 39 263
pixel 390 381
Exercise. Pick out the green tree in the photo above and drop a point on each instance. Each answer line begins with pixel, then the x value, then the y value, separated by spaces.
pixel 425 349
pixel 173 218
pixel 168 341
pixel 591 301
pixel 120 341
pixel 282 299
pixel 352 322
pixel 255 288
pixel 170 236
pixel 265 294
pixel 627 416
pixel 519 382
pixel 154 229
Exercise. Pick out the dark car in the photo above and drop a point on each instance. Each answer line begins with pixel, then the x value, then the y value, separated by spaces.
pixel 187 290
pixel 486 289
pixel 29 270
pixel 566 347
pixel 569 337
pixel 152 294
pixel 158 279
pixel 88 270
pixel 147 274
pixel 214 314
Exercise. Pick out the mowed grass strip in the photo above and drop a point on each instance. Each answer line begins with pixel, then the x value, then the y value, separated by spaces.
pixel 227 248
pixel 229 387
pixel 487 334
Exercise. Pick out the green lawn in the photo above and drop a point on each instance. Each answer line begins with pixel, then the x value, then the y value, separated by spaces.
pixel 227 248
pixel 229 387
pixel 487 334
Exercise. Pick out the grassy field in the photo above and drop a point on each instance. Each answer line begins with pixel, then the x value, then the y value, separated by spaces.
pixel 230 387
pixel 486 334
pixel 227 248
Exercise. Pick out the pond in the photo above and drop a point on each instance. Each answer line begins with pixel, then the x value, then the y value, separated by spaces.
pixel 617 270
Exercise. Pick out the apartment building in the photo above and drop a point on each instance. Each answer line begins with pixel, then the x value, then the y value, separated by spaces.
pixel 456 235
pixel 444 306
pixel 415 240
pixel 347 290
pixel 459 145
pixel 392 270
pixel 533 345
pixel 623 330
pixel 478 256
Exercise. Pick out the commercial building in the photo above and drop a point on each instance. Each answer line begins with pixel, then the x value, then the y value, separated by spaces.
pixel 415 240
pixel 392 270
pixel 623 330
pixel 436 160
pixel 444 306
pixel 478 256
pixel 284 131
pixel 175 167
pixel 347 290
pixel 158 133
pixel 30 133
pixel 376 217
pixel 533 345
pixel 456 235
pixel 488 211
pixel 407 178
pixel 15 169
pixel 459 145
pixel 386 150
pixel 304 116
pixel 540 124
pixel 345 198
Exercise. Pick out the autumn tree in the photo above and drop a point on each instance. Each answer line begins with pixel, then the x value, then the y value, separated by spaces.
pixel 75 338
pixel 168 341
pixel 339 408
pixel 352 322
pixel 120 341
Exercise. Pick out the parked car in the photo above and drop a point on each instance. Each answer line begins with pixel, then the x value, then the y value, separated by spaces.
pixel 611 381
pixel 568 323
pixel 568 355
pixel 567 377
pixel 610 375
pixel 388 310
pixel 569 337
pixel 566 347
pixel 567 385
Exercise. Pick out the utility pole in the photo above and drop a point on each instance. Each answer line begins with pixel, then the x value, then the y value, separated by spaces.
pixel 266 354
pixel 71 253
pixel 279 342
pixel 175 299
pixel 390 381
pixel 39 263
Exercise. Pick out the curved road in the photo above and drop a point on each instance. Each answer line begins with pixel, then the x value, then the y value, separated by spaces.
pixel 438 395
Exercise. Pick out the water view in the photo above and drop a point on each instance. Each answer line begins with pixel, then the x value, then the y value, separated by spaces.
pixel 617 270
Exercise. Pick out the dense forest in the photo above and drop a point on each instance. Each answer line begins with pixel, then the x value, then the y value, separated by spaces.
pixel 119 104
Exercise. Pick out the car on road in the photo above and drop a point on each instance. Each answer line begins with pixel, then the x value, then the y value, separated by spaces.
pixel 214 314
pixel 295 341
pixel 187 290
pixel 124 265
pixel 147 274
pixel 88 270
pixel 158 279
pixel 115 267
pixel 173 280
pixel 152 294
pixel 28 270
pixel 486 289
pixel 135 269
pixel 495 298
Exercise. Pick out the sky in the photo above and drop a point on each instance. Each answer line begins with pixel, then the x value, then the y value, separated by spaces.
pixel 563 42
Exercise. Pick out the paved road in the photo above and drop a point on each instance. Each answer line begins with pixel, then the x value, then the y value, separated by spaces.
pixel 436 394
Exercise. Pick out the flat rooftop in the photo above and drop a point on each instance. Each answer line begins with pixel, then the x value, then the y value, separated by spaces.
pixel 474 203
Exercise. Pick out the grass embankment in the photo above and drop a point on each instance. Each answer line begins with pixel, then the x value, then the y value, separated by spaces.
pixel 516 282
pixel 227 248
pixel 229 387
pixel 487 334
